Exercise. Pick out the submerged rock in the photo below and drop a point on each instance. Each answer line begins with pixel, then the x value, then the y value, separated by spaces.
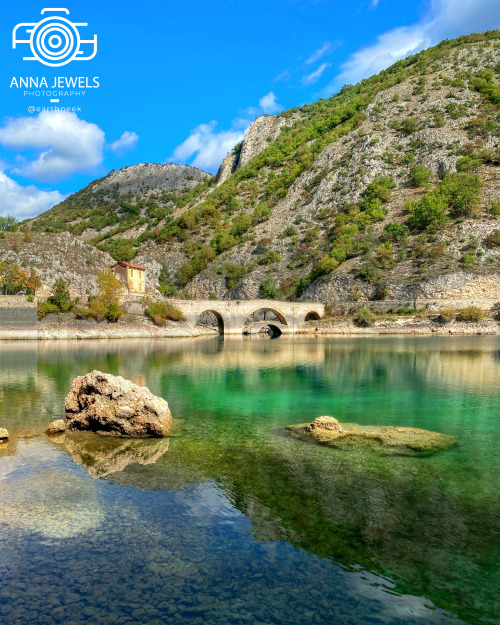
pixel 384 438
pixel 107 404
pixel 4 435
pixel 56 427
pixel 325 423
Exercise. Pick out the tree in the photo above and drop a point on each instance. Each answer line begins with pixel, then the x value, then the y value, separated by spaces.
pixel 8 223
pixel 164 284
pixel 13 279
pixel 107 303
pixel 60 297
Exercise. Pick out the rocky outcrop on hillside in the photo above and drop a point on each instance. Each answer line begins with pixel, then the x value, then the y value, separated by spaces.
pixel 56 256
pixel 263 131
pixel 152 176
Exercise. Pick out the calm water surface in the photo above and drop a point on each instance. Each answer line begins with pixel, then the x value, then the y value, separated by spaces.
pixel 233 521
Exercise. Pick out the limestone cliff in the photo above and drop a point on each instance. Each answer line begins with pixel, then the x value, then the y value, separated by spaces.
pixel 263 131
pixel 152 176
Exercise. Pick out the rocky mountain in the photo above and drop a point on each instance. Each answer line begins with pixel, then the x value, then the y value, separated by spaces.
pixel 388 190
pixel 56 256
pixel 263 131
pixel 148 178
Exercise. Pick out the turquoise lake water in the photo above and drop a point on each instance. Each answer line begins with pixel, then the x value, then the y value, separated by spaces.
pixel 233 521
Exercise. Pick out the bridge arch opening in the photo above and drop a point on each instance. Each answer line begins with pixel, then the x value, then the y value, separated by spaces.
pixel 265 320
pixel 274 331
pixel 211 319
pixel 312 316
pixel 267 314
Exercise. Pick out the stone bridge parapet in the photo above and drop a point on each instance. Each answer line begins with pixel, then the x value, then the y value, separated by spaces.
pixel 232 315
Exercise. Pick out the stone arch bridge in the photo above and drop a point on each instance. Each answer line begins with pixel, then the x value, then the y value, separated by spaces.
pixel 288 317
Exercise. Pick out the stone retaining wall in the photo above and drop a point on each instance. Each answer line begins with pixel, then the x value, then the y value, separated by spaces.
pixel 432 305
pixel 16 312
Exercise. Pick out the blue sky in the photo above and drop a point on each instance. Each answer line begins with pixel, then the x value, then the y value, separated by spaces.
pixel 182 81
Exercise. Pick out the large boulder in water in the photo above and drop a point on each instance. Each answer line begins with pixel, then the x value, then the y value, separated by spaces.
pixel 386 439
pixel 107 404
pixel 4 435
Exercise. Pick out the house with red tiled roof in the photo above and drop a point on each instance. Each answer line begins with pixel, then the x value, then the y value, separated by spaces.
pixel 133 276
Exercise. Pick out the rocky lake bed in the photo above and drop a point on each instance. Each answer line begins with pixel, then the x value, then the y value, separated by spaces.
pixel 221 520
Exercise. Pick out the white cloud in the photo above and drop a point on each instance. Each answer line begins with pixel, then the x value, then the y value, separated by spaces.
pixel 65 144
pixel 444 19
pixel 269 105
pixel 207 145
pixel 327 48
pixel 310 79
pixel 126 142
pixel 390 47
pixel 23 202
pixel 374 4
pixel 284 76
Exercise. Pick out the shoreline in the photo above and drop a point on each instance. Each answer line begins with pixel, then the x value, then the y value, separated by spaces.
pixel 78 334
pixel 487 328
pixel 408 327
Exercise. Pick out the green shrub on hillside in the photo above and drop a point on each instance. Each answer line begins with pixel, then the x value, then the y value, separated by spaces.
pixel 234 274
pixel 420 176
pixel 364 317
pixel 120 249
pixel 409 125
pixel 495 208
pixel 493 239
pixel 377 193
pixel 471 314
pixel 222 241
pixel 457 195
pixel 269 288
pixel 483 83
pixel 9 224
pixel 269 257
pixel 468 164
pixel 369 273
pixel 161 311
pixel 397 233
pixel 46 308
pixel 240 225
pixel 446 315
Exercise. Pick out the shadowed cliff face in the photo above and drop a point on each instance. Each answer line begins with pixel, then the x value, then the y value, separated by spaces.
pixel 263 131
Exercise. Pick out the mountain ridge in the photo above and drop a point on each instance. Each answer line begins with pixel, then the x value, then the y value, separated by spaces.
pixel 326 200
